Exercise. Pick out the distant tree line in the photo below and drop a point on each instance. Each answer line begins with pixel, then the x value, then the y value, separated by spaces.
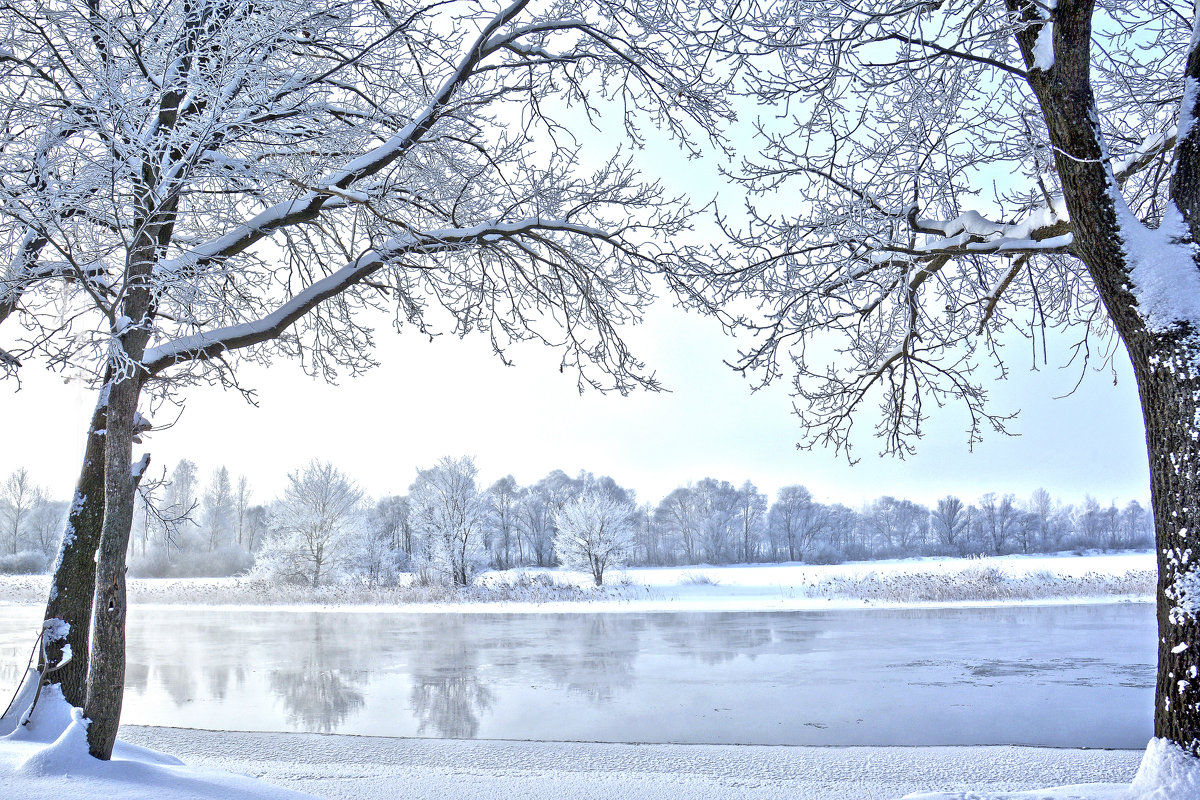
pixel 448 527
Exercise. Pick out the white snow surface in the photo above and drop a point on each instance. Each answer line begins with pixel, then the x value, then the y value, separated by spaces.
pixel 47 759
pixel 1166 773
pixel 370 768
pixel 1043 48
pixel 1162 270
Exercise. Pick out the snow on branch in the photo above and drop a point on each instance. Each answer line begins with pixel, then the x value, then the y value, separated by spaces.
pixel 337 183
pixel 213 343
pixel 209 174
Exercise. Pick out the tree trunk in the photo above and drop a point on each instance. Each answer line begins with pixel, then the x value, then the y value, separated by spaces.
pixel 1169 394
pixel 106 677
pixel 73 584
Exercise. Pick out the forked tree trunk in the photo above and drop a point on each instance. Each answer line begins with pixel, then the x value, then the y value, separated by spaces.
pixel 106 677
pixel 73 584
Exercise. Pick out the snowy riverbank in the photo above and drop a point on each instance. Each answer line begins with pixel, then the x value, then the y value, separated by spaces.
pixel 366 768
pixel 35 764
pixel 755 587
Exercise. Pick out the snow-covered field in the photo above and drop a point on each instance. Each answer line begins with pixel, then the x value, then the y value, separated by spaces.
pixel 756 587
pixel 47 759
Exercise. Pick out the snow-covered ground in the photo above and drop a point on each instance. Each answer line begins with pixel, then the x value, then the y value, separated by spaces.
pixel 37 765
pixel 343 767
pixel 756 587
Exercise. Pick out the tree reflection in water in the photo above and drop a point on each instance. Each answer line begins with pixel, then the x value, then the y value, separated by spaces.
pixel 595 654
pixel 714 639
pixel 319 690
pixel 448 696
pixel 315 700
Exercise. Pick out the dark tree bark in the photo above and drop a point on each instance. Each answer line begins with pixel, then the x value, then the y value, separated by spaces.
pixel 73 584
pixel 1169 404
pixel 106 678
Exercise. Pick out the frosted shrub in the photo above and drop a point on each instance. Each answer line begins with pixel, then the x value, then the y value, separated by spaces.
pixel 222 562
pixel 981 583
pixel 595 532
pixel 280 562
pixel 826 554
pixel 26 562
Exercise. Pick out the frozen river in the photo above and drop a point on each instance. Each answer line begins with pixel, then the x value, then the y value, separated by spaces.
pixel 1063 676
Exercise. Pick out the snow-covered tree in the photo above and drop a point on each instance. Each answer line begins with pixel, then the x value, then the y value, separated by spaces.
pixel 950 170
pixel 998 519
pixel 180 499
pixel 241 509
pixel 449 513
pixel 949 524
pixel 391 516
pixel 45 523
pixel 648 543
pixel 795 520
pixel 16 501
pixel 751 519
pixel 1041 509
pixel 595 532
pixel 899 525
pixel 372 556
pixel 184 185
pixel 312 523
pixel 1137 529
pixel 257 518
pixel 219 509
pixel 502 520
pixel 539 504
pixel 717 508
pixel 1089 523
pixel 679 515
pixel 535 528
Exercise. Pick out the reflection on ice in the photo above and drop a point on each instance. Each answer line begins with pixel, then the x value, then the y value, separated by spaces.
pixel 315 699
pixel 448 695
pixel 592 655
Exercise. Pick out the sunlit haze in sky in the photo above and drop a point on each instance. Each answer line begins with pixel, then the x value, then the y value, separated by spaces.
pixel 452 397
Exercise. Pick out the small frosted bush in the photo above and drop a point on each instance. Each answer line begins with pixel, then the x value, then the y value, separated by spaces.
pixel 26 562
pixel 982 583
pixel 826 554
